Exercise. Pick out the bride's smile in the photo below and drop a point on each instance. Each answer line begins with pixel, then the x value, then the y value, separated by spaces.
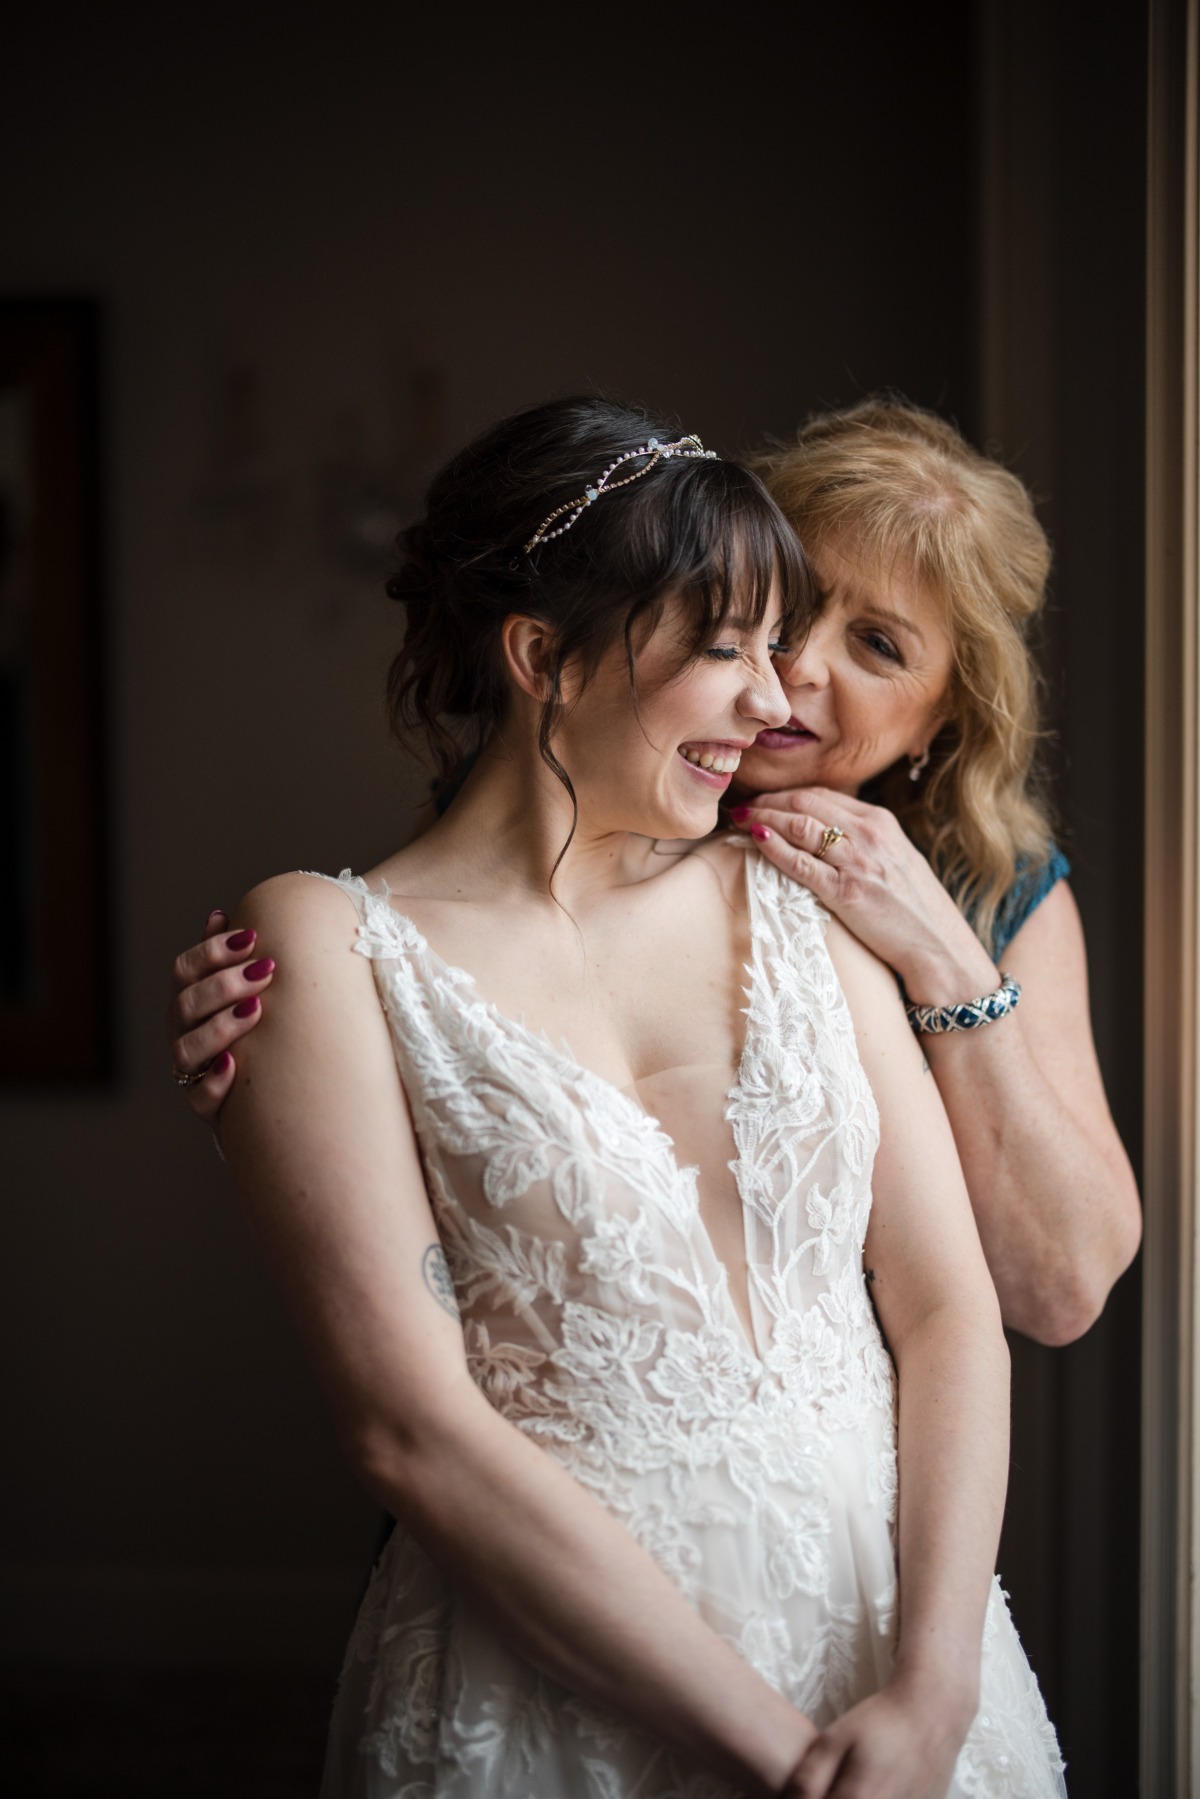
pixel 651 747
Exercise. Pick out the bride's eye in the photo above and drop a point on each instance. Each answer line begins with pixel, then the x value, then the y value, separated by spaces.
pixel 722 652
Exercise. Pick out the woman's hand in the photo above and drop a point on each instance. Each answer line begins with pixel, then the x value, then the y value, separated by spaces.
pixel 215 1000
pixel 878 883
pixel 895 1745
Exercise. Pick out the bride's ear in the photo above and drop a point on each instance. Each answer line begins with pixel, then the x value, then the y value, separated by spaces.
pixel 529 650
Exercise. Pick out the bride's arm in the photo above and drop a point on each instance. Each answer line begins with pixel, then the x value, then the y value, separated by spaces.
pixel 939 1313
pixel 319 1141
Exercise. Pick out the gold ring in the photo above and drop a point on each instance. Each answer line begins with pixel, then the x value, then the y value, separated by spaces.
pixel 832 834
pixel 186 1080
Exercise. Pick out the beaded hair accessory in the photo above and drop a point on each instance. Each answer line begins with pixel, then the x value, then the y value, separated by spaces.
pixel 654 452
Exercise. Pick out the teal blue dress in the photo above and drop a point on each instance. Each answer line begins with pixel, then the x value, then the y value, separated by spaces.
pixel 1034 881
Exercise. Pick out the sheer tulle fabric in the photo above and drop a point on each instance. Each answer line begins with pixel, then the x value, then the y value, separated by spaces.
pixel 757 1468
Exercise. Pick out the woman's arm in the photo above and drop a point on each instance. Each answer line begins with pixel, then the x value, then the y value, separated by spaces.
pixel 319 1140
pixel 939 1314
pixel 1054 1195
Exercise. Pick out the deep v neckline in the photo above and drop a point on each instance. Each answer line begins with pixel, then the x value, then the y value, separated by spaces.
pixel 583 1077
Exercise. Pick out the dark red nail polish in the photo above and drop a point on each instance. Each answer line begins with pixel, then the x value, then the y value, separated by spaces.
pixel 759 833
pixel 739 814
pixel 258 971
pixel 246 1008
pixel 240 940
pixel 217 912
pixel 220 1063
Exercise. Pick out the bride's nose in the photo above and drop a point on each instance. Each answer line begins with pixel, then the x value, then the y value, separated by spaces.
pixel 763 700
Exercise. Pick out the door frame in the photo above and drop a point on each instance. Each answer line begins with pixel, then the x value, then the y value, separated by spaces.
pixel 1170 1622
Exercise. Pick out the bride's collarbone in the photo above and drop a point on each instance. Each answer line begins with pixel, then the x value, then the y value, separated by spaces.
pixel 638 989
pixel 653 1026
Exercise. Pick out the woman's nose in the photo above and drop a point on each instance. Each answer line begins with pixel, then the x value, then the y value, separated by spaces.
pixel 807 664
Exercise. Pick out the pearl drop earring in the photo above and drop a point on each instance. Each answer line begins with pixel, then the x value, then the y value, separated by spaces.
pixel 918 764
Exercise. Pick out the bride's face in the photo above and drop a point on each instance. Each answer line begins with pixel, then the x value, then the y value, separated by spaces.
pixel 655 758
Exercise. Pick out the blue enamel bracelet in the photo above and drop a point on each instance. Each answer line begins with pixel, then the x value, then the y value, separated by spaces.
pixel 969 1014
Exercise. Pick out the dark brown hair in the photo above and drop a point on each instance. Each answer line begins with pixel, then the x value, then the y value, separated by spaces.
pixel 705 532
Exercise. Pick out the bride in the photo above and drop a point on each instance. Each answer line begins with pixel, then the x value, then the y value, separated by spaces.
pixel 601 1228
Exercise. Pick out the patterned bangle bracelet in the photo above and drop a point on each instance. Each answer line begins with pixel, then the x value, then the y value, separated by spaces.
pixel 969 1014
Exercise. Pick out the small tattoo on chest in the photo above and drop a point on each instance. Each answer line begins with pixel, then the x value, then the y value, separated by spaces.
pixel 436 1270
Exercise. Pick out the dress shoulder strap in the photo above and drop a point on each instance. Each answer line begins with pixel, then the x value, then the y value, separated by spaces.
pixel 782 908
pixel 383 933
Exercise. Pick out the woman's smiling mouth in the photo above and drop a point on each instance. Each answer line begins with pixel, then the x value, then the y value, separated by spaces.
pixel 785 737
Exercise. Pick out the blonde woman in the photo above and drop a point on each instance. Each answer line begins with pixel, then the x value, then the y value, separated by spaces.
pixel 912 733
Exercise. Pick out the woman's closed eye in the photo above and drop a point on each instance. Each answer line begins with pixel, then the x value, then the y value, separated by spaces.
pixel 880 644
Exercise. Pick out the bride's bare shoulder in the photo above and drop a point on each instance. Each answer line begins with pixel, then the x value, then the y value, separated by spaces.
pixel 292 912
pixel 725 855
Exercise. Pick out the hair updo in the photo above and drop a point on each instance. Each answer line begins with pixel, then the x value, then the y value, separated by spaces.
pixel 704 532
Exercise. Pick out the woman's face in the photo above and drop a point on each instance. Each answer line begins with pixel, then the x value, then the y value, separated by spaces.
pixel 657 762
pixel 865 688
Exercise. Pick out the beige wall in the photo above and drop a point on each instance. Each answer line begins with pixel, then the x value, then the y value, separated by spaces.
pixel 735 214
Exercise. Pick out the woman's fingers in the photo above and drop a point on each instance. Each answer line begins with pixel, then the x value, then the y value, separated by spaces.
pixel 208 1096
pixel 216 999
pixel 804 832
pixel 203 999
pixel 218 949
pixel 818 876
pixel 196 1048
pixel 792 842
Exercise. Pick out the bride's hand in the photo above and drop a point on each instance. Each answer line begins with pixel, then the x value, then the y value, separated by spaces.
pixel 214 1000
pixel 876 881
pixel 890 1746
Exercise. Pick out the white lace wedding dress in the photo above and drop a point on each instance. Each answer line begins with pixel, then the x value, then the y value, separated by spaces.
pixel 759 1472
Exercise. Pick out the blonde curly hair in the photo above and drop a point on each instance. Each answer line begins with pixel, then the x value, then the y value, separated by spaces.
pixel 899 487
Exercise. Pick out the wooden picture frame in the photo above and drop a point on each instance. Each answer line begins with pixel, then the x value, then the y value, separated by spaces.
pixel 55 975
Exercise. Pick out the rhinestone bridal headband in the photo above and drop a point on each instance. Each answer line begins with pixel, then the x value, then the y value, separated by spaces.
pixel 654 452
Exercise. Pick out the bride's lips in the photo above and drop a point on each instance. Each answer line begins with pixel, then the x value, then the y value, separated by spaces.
pixel 714 763
pixel 787 737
